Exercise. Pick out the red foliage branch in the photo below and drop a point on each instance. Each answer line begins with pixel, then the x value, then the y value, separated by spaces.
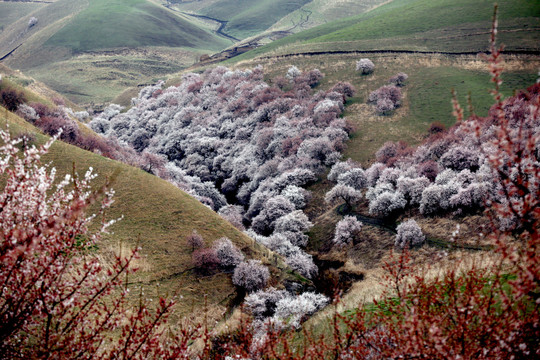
pixel 57 300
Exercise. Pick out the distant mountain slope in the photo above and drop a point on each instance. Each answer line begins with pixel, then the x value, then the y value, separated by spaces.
pixel 130 23
pixel 129 42
pixel 421 25
pixel 318 12
pixel 246 19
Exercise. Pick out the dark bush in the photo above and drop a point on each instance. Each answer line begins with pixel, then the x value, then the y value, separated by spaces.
pixel 436 128
pixel 205 260
pixel 11 98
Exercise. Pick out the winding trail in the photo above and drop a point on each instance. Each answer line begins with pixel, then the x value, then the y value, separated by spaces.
pixel 222 24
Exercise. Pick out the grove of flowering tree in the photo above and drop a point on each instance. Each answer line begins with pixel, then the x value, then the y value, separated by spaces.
pixel 450 172
pixel 229 138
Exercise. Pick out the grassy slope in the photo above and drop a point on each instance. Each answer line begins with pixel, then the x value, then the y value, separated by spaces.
pixel 12 11
pixel 318 12
pixel 130 23
pixel 248 17
pixel 158 217
pixel 441 25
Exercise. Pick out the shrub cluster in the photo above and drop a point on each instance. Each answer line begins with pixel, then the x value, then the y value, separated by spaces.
pixel 223 253
pixel 281 308
pixel 409 235
pixel 385 99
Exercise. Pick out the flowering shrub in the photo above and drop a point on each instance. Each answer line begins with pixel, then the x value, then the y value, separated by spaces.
pixel 195 241
pixel 293 73
pixel 227 253
pixel 398 79
pixel 339 168
pixel 234 215
pixel 292 311
pixel 205 260
pixel 365 66
pixel 294 225
pixel 303 264
pixel 347 230
pixel 409 234
pixel 282 307
pixel 262 303
pixel 386 98
pixel 345 193
pixel 251 275
pixel 355 178
pixel 32 21
pixel 387 203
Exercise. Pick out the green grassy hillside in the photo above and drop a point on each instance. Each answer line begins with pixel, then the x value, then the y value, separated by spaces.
pixel 420 25
pixel 130 23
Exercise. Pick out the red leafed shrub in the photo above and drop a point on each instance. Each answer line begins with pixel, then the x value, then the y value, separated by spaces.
pixel 205 260
pixel 344 88
pixel 195 87
pixel 58 300
pixel 429 169
pixel 51 125
pixel 58 101
pixel 41 109
pixel 11 98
